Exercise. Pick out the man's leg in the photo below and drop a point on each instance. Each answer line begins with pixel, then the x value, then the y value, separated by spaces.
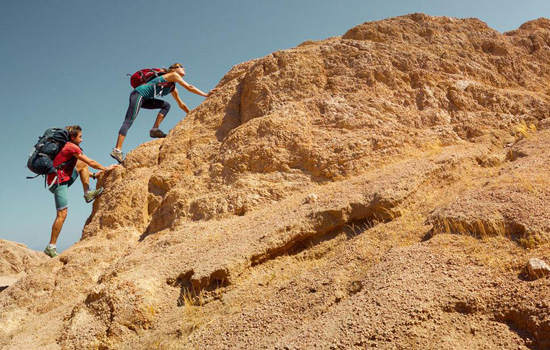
pixel 82 169
pixel 84 172
pixel 61 203
pixel 58 224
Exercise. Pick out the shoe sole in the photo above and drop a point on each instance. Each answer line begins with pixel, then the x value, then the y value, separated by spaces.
pixel 157 136
pixel 115 158
pixel 48 254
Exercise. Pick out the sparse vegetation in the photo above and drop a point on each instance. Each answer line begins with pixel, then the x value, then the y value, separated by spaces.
pixel 193 316
pixel 533 241
pixel 487 228
pixel 478 228
pixel 523 130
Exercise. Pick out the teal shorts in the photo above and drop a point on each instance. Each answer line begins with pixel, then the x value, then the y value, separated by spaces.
pixel 60 192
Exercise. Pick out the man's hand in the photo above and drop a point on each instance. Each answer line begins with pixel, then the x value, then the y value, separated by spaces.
pixel 109 168
pixel 211 92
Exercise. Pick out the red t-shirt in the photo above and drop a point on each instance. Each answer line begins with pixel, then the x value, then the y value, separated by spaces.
pixel 67 154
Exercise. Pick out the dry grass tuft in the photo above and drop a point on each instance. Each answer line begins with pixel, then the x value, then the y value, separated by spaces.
pixel 488 228
pixel 478 228
pixel 523 130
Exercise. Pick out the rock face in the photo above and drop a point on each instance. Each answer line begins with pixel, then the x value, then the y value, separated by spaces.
pixel 379 189
pixel 16 260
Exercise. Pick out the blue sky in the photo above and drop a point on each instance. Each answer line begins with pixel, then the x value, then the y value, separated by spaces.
pixel 65 62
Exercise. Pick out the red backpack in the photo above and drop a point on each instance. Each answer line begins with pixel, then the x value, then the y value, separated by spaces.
pixel 144 75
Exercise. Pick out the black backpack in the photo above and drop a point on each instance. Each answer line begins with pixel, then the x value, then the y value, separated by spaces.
pixel 48 146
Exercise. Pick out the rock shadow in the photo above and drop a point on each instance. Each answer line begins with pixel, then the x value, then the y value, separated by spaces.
pixel 232 118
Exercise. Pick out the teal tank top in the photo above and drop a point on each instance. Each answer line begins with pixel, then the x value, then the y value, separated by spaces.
pixel 155 87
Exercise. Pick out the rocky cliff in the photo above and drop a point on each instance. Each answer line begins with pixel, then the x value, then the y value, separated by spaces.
pixel 16 262
pixel 380 189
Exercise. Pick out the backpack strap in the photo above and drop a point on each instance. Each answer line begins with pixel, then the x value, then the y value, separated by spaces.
pixel 54 182
pixel 55 179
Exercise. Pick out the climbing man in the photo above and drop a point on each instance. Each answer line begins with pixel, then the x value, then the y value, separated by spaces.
pixel 70 162
pixel 144 96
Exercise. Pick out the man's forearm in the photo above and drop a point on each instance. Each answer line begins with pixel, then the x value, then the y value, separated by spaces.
pixel 97 166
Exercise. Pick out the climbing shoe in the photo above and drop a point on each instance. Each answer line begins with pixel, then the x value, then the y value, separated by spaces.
pixel 118 155
pixel 157 134
pixel 51 252
pixel 92 194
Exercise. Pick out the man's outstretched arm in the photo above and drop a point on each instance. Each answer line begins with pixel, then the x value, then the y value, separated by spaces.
pixel 93 163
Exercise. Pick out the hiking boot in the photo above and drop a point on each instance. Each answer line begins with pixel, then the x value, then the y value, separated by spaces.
pixel 157 134
pixel 118 155
pixel 51 252
pixel 92 194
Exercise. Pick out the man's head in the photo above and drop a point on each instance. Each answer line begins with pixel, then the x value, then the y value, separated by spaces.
pixel 178 68
pixel 75 134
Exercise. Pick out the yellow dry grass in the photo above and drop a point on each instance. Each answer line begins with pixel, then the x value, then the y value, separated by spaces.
pixel 523 130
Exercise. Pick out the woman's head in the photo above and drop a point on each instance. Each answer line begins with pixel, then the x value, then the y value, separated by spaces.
pixel 178 68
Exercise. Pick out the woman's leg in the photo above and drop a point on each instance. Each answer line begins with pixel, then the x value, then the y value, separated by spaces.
pixel 136 100
pixel 157 104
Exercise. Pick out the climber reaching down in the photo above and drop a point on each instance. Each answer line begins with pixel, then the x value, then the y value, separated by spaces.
pixel 144 96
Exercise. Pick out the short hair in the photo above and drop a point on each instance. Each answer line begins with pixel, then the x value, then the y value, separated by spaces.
pixel 73 130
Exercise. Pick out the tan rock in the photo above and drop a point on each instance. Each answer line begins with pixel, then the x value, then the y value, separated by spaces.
pixel 537 268
pixel 307 204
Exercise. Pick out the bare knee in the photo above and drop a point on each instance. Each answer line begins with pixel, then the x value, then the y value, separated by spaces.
pixel 62 214
pixel 80 165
